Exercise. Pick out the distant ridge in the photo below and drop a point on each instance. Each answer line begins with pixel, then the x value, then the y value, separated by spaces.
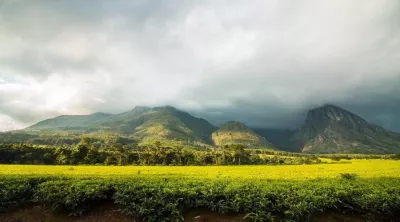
pixel 326 129
pixel 66 122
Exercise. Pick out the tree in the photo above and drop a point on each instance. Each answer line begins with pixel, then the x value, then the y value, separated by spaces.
pixel 240 154
pixel 63 156
pixel 79 153
pixel 92 156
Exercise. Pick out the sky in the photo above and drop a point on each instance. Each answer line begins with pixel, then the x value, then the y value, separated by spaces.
pixel 261 62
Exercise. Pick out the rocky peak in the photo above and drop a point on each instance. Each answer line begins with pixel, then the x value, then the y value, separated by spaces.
pixel 327 114
pixel 332 129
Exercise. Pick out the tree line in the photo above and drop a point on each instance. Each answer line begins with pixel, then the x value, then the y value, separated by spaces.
pixel 86 152
pixel 156 154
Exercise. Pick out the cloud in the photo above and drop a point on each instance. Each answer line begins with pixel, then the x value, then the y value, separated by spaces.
pixel 261 62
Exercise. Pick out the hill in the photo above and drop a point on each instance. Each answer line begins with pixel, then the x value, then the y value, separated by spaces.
pixel 160 123
pixel 142 123
pixel 234 132
pixel 331 129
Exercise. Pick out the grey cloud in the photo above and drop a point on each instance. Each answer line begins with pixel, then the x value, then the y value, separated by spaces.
pixel 262 62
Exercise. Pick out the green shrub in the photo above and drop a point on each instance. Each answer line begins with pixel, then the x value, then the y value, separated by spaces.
pixel 348 176
pixel 72 196
pixel 155 198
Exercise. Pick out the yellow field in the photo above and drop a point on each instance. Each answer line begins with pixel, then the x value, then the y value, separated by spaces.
pixel 363 168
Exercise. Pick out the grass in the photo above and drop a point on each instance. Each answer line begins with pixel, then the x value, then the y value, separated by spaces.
pixel 373 168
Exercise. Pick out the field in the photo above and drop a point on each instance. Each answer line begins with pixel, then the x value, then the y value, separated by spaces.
pixel 368 188
pixel 373 168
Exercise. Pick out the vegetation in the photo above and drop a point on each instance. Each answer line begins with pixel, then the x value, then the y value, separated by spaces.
pixel 150 154
pixel 374 168
pixel 169 162
pixel 96 151
pixel 159 193
pixel 141 123
pixel 327 129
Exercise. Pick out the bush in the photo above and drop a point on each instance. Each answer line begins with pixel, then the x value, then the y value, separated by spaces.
pixel 155 198
pixel 72 196
pixel 15 192
pixel 348 176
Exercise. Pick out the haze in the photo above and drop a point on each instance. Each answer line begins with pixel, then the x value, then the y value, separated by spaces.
pixel 261 62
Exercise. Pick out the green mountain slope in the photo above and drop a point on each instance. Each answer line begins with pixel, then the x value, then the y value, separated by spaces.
pixel 70 122
pixel 234 132
pixel 331 129
pixel 141 123
pixel 160 123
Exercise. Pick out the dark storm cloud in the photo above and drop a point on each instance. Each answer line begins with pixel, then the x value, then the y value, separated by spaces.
pixel 261 62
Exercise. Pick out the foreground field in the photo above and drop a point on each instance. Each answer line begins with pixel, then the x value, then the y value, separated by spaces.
pixel 367 188
pixel 374 168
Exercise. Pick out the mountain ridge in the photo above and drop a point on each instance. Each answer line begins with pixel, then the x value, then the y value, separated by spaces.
pixel 143 123
pixel 326 129
pixel 69 121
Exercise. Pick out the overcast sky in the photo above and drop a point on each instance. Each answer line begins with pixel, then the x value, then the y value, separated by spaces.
pixel 261 62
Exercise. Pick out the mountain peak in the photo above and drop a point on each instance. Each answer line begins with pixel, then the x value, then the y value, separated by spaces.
pixel 139 110
pixel 332 129
pixel 166 108
pixel 234 126
pixel 332 113
pixel 328 107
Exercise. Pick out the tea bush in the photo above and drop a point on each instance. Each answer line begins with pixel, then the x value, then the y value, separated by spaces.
pixel 160 199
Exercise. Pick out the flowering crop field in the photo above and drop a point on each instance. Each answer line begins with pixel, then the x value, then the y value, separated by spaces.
pixel 374 168
pixel 369 188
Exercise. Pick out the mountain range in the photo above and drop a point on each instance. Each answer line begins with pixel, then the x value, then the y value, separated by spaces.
pixel 326 129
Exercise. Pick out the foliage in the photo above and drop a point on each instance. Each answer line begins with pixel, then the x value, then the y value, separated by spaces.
pixel 153 198
pixel 160 193
pixel 152 154
pixel 16 191
pixel 157 153
pixel 73 197
pixel 348 176
pixel 363 168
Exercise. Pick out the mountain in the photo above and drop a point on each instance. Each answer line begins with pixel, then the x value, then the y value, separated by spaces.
pixel 160 123
pixel 141 123
pixel 327 129
pixel 234 132
pixel 331 129
pixel 70 122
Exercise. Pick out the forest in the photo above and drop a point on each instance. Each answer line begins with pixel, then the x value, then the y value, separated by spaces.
pixel 157 154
